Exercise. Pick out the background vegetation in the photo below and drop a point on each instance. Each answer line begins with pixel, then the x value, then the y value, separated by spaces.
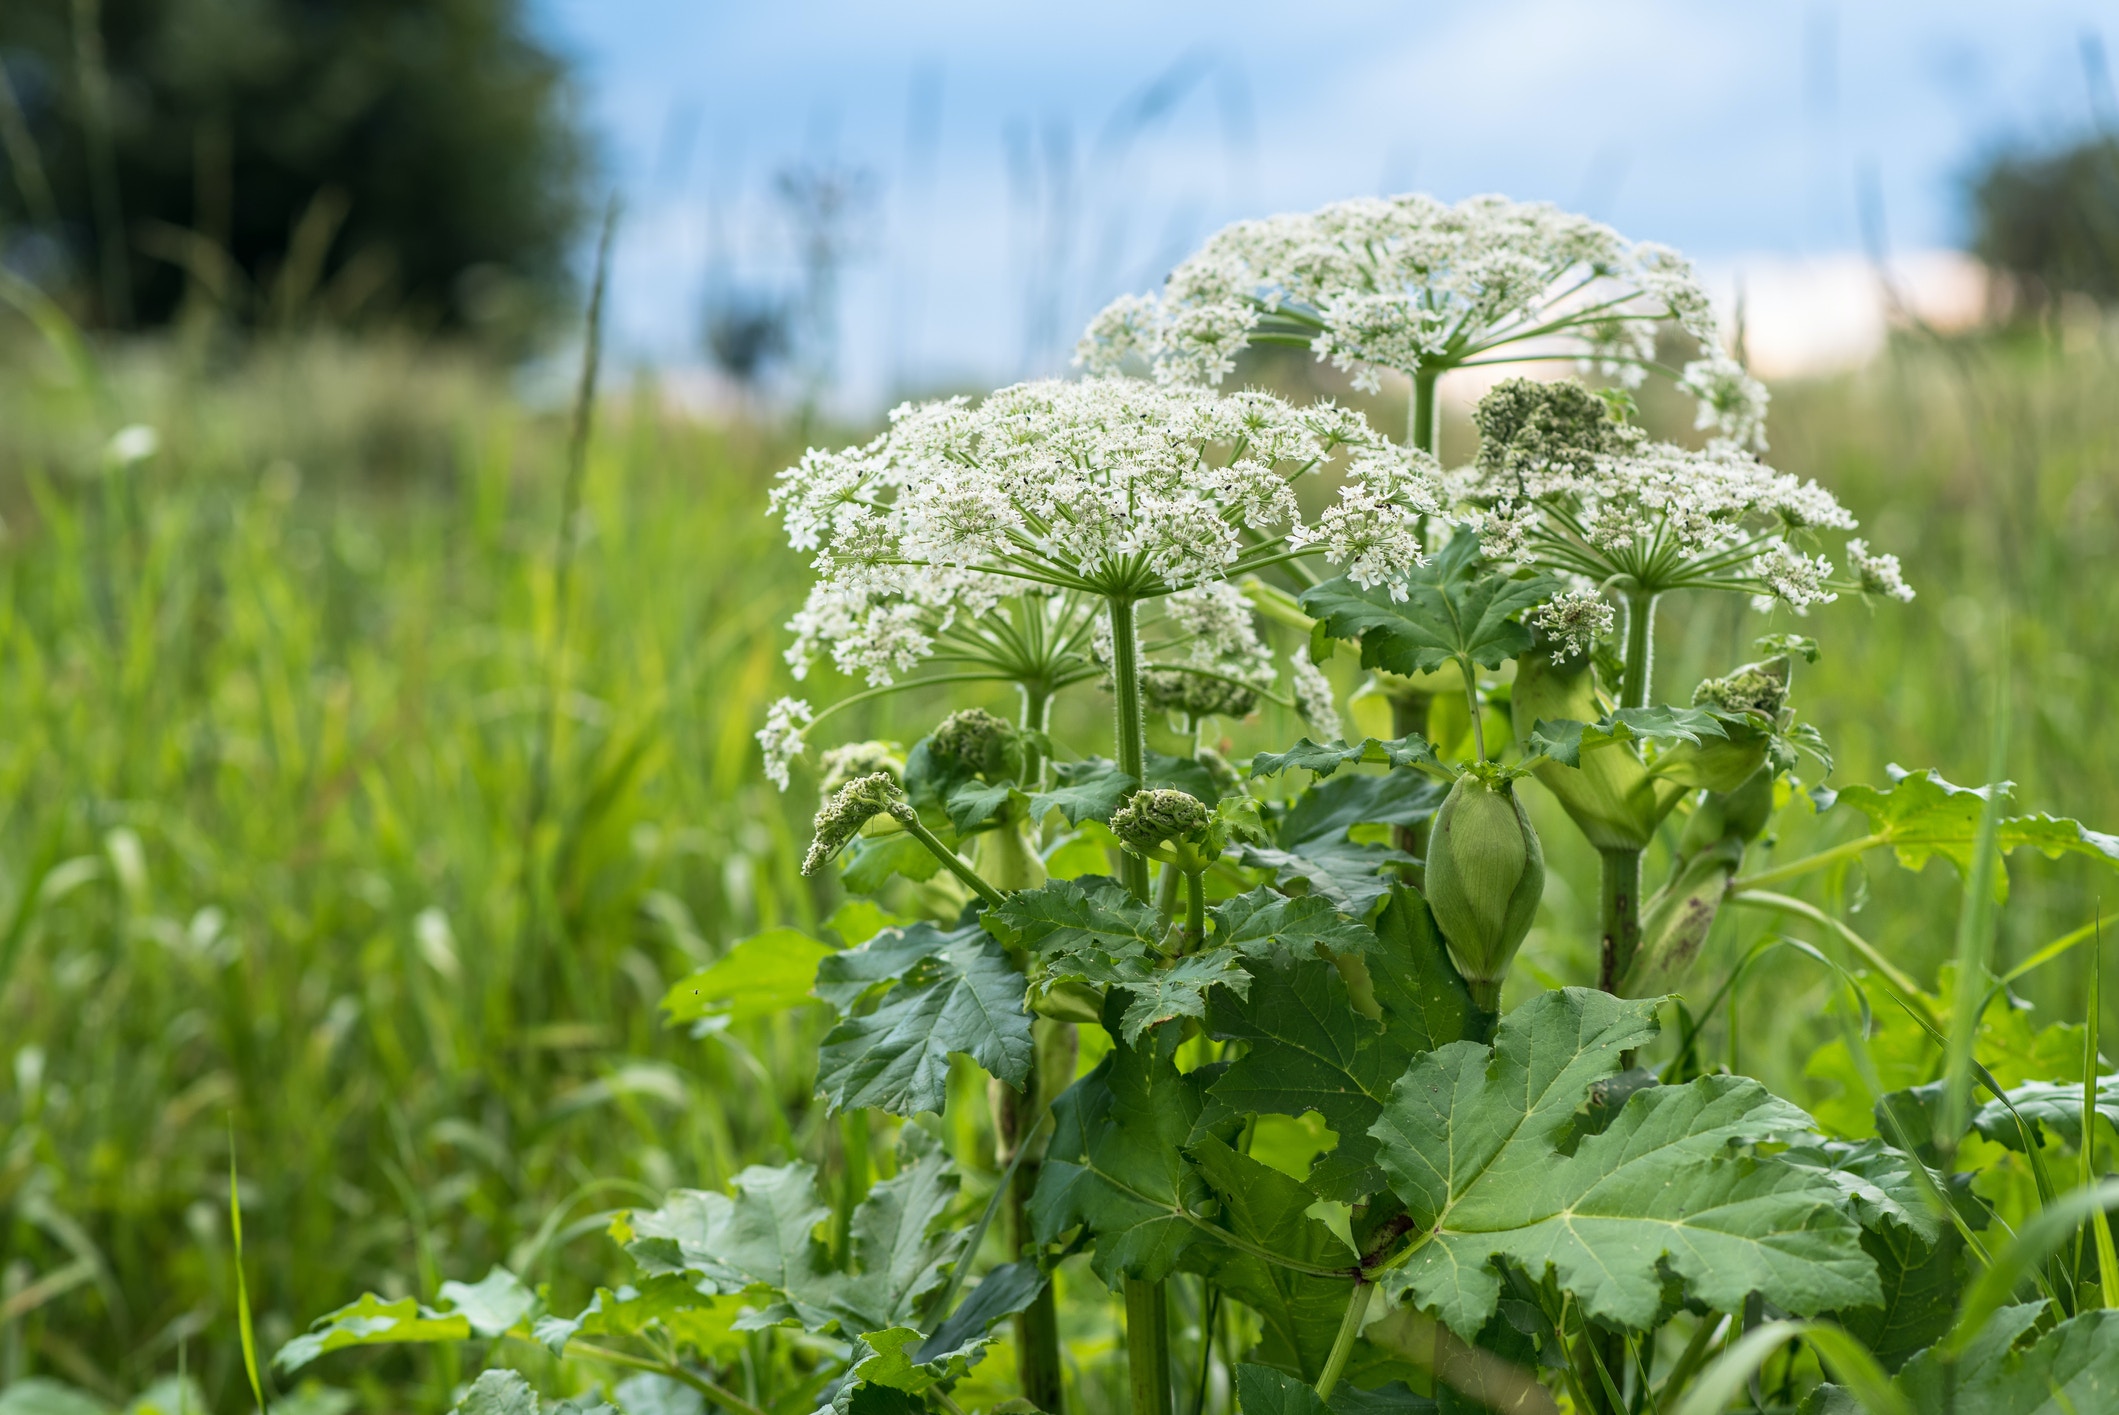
pixel 328 826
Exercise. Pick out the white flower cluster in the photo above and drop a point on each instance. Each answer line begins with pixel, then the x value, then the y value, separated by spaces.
pixel 1879 574
pixel 1314 698
pixel 1412 284
pixel 1220 633
pixel 1101 486
pixel 1663 515
pixel 781 737
pixel 1576 619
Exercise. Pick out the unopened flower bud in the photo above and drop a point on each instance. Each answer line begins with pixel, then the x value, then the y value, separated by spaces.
pixel 1195 695
pixel 856 759
pixel 979 742
pixel 1485 876
pixel 1153 818
pixel 1755 687
pixel 840 819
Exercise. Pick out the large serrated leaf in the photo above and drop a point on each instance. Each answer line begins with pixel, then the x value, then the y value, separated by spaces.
pixel 1116 1163
pixel 1565 742
pixel 761 1238
pixel 1276 929
pixel 371 1321
pixel 2070 1370
pixel 1309 1049
pixel 1472 1140
pixel 955 993
pixel 1407 751
pixel 1920 815
pixel 1456 606
pixel 1299 1313
pixel 763 976
pixel 1092 931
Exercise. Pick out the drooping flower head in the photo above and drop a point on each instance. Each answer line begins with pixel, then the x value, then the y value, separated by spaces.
pixel 1417 286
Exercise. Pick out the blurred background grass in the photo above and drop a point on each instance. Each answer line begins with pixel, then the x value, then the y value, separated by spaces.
pixel 270 858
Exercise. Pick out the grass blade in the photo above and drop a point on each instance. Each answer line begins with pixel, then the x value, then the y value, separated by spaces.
pixel 2100 1226
pixel 242 1288
pixel 1849 1362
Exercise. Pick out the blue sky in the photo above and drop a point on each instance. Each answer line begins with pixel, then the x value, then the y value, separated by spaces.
pixel 1017 165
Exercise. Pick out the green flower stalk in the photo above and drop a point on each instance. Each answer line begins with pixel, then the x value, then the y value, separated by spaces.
pixel 862 800
pixel 1485 877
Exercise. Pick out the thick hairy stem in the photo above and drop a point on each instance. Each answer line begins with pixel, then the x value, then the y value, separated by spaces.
pixel 1147 1348
pixel 1037 713
pixel 1619 923
pixel 1132 748
pixel 1424 429
pixel 1195 910
pixel 1037 1348
pixel 1357 1307
pixel 1640 650
pixel 1409 713
pixel 1471 698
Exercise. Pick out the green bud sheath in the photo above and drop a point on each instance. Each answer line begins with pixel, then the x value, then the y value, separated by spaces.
pixel 1611 796
pixel 1485 876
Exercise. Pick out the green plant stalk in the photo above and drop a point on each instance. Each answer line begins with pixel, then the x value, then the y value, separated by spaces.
pixel 1147 1347
pixel 2100 1225
pixel 1619 881
pixel 1975 945
pixel 1038 1369
pixel 1423 427
pixel 951 861
pixel 1357 1310
pixel 1195 910
pixel 1147 1304
pixel 1131 745
pixel 1409 714
pixel 1619 914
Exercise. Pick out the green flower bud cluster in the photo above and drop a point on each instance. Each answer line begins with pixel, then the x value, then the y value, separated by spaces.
pixel 1526 427
pixel 1153 818
pixel 856 759
pixel 979 742
pixel 1175 690
pixel 840 819
pixel 1485 876
pixel 1755 687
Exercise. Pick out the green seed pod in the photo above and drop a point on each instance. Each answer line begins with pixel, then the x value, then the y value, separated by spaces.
pixel 1485 876
pixel 1611 795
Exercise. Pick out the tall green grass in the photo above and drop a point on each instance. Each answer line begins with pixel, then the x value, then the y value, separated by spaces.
pixel 270 705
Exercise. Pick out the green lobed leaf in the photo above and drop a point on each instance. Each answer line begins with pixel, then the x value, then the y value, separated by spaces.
pixel 761 1239
pixel 1346 874
pixel 1330 808
pixel 670 1303
pixel 371 1321
pixel 498 1392
pixel 1276 929
pixel 1116 1162
pixel 1299 1313
pixel 1473 1142
pixel 1455 606
pixel 953 992
pixel 871 860
pixel 1921 816
pixel 763 976
pixel 1920 1284
pixel 491 1305
pixel 1565 741
pixel 1410 750
pixel 1308 1048
pixel 1093 788
pixel 2013 1368
pixel 973 803
pixel 1095 932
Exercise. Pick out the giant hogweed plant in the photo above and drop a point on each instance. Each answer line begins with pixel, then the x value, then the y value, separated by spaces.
pixel 1308 1123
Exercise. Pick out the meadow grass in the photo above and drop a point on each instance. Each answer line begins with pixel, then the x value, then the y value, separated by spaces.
pixel 274 848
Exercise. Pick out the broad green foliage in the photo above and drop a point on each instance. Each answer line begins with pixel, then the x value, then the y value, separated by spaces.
pixel 1450 611
pixel 935 993
pixel 503 1392
pixel 496 1303
pixel 1920 816
pixel 1309 1047
pixel 1473 1140
pixel 762 976
pixel 2020 1365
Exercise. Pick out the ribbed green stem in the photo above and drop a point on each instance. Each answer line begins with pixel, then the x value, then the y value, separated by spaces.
pixel 1037 1347
pixel 1619 923
pixel 1409 713
pixel 1425 428
pixel 1195 910
pixel 1640 650
pixel 1147 1347
pixel 1357 1307
pixel 1131 745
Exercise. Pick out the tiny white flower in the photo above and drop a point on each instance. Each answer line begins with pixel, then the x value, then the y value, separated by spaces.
pixel 781 737
pixel 1879 574
pixel 1314 698
pixel 1577 619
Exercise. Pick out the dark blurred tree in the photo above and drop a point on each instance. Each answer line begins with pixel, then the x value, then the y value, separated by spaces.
pixel 280 158
pixel 2050 221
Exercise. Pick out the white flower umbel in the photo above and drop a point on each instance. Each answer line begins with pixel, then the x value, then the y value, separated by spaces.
pixel 781 737
pixel 1878 574
pixel 1314 698
pixel 1420 286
